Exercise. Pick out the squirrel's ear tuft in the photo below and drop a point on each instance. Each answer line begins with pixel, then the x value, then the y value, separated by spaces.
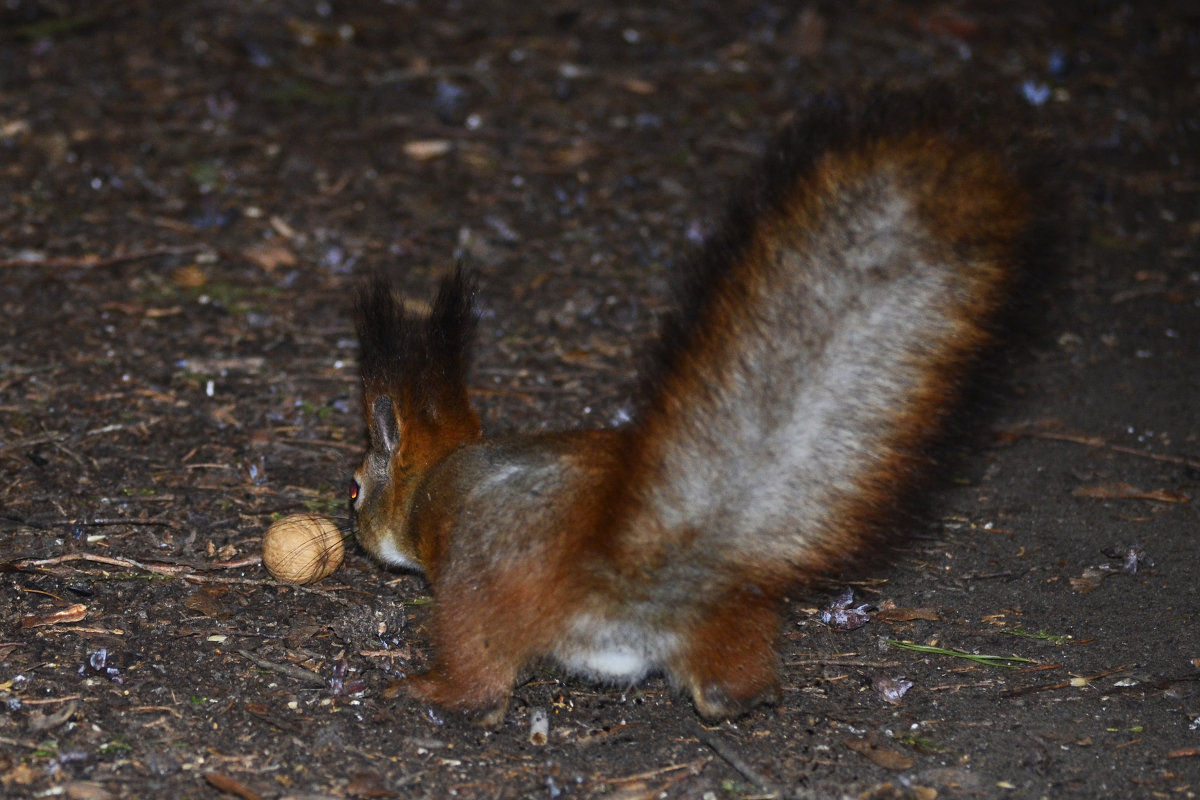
pixel 385 337
pixel 384 429
pixel 421 363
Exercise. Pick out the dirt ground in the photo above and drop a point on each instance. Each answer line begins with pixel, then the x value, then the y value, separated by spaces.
pixel 192 190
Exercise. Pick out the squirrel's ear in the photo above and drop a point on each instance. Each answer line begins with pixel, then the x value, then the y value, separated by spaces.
pixel 384 430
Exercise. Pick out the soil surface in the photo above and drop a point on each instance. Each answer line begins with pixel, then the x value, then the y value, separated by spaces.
pixel 192 191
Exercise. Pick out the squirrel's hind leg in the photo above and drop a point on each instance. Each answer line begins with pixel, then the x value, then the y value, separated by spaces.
pixel 730 664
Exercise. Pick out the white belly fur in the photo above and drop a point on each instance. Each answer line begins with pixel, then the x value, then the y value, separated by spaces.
pixel 619 653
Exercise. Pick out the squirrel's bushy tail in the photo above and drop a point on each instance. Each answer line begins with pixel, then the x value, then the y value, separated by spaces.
pixel 822 344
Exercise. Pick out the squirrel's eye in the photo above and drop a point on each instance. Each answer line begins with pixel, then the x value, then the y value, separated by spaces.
pixel 353 490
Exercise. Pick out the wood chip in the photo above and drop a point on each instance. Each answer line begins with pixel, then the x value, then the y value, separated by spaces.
pixel 637 86
pixel 426 149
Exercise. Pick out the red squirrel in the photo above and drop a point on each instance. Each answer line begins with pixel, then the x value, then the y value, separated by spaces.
pixel 814 355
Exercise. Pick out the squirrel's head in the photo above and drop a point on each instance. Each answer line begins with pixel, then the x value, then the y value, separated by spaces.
pixel 415 405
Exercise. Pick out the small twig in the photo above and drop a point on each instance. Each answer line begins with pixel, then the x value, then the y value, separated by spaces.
pixel 1047 687
pixel 56 436
pixel 248 561
pixel 733 758
pixel 94 261
pixel 154 710
pixel 46 701
pixel 692 767
pixel 301 674
pixel 426 73
pixel 78 459
pixel 405 654
pixel 1184 752
pixel 1007 575
pixel 285 725
pixel 123 561
pixel 27 744
pixel 842 662
pixel 112 561
pixel 1099 442
pixel 192 577
pixel 100 522
pixel 348 446
pixel 185 571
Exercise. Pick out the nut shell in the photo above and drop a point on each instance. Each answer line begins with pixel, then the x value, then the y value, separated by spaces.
pixel 302 548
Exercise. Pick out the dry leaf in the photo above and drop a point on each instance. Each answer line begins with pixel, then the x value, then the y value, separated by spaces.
pixel 270 255
pixel 637 86
pixel 22 775
pixel 85 790
pixel 224 417
pixel 895 614
pixel 367 785
pixel 69 614
pixel 210 601
pixel 1090 579
pixel 882 756
pixel 892 690
pixel 228 785
pixel 842 616
pixel 574 155
pixel 40 723
pixel 191 276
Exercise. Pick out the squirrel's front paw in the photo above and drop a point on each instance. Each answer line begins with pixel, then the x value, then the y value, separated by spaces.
pixel 481 707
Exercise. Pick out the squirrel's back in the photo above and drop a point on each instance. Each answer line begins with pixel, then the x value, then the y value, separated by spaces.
pixel 821 347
